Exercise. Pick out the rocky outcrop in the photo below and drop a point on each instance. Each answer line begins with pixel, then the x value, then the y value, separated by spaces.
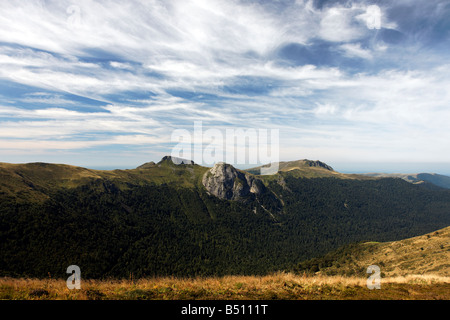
pixel 226 182
pixel 175 160
pixel 167 160
pixel 316 163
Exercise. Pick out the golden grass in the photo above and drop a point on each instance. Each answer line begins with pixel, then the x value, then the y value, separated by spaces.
pixel 427 254
pixel 280 286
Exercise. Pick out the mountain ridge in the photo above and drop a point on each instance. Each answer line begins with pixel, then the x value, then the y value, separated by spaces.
pixel 37 178
pixel 439 180
pixel 292 165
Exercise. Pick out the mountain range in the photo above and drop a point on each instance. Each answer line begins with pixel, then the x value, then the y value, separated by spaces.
pixel 175 217
pixel 433 178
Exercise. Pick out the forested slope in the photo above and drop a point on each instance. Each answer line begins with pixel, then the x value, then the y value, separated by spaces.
pixel 164 222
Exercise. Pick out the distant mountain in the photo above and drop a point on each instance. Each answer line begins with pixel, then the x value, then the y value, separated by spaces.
pixel 175 160
pixel 167 160
pixel 175 217
pixel 294 165
pixel 425 254
pixel 306 169
pixel 416 178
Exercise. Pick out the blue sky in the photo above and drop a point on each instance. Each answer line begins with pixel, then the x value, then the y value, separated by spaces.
pixel 103 84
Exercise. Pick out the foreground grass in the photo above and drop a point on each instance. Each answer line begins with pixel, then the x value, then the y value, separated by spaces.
pixel 282 286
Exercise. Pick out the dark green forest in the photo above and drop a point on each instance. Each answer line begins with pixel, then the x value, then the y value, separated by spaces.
pixel 156 230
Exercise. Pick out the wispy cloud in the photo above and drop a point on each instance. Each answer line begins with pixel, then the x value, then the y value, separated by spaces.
pixel 318 71
pixel 354 50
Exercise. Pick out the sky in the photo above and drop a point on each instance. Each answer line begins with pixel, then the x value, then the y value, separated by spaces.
pixel 360 85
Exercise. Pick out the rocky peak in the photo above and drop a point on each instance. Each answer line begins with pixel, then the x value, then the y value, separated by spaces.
pixel 175 160
pixel 316 163
pixel 226 182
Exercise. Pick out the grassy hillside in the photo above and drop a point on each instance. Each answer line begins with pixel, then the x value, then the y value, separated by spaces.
pixel 34 181
pixel 37 181
pixel 428 254
pixel 307 169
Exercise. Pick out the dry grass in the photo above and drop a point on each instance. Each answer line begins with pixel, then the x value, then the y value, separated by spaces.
pixel 425 254
pixel 281 286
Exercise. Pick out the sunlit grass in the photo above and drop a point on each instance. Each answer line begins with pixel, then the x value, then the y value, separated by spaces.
pixel 280 286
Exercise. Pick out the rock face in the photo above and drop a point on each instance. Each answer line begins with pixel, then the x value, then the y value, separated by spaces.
pixel 166 160
pixel 319 164
pixel 175 160
pixel 225 182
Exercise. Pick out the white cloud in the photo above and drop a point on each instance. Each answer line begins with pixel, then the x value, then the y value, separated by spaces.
pixel 374 18
pixel 71 144
pixel 121 65
pixel 325 109
pixel 337 25
pixel 354 50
